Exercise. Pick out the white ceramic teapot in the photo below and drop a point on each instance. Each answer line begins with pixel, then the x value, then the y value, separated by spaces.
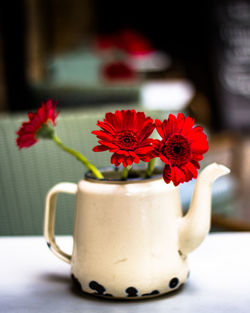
pixel 131 239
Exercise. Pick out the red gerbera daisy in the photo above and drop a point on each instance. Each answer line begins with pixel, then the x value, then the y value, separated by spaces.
pixel 125 133
pixel 38 125
pixel 181 148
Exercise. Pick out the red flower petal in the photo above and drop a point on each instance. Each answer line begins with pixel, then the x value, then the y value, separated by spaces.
pixel 102 135
pixel 168 126
pixel 107 127
pixel 197 157
pixel 181 148
pixel 115 159
pixel 140 120
pixel 123 152
pixel 129 118
pixel 106 143
pixel 195 164
pixel 100 148
pixel 180 121
pixel 158 125
pixel 125 133
pixel 119 120
pixel 164 159
pixel 178 175
pixel 167 174
pixel 191 168
pixel 146 131
pixel 145 158
pixel 143 150
pixel 188 125
pixel 28 131
pixel 25 141
pixel 111 119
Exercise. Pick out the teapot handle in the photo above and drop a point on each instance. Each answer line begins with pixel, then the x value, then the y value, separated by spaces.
pixel 49 218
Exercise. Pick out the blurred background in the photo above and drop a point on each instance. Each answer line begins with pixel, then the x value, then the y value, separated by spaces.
pixel 98 56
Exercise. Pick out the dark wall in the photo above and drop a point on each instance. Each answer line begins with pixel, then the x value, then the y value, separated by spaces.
pixel 12 31
pixel 184 29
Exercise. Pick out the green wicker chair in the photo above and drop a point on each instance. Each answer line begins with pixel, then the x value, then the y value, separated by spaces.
pixel 26 175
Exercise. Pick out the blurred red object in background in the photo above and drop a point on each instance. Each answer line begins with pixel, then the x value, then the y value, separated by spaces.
pixel 133 42
pixel 117 71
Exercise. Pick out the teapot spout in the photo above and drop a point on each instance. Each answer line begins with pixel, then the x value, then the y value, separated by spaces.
pixel 195 225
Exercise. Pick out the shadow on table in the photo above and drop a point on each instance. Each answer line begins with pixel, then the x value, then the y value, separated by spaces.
pixel 55 278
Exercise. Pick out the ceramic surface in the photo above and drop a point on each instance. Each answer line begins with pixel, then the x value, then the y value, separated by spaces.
pixel 130 239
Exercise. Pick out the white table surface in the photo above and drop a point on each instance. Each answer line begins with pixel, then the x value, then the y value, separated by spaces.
pixel 32 279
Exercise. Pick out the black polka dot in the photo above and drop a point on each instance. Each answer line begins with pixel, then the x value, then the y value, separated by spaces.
pixel 173 282
pixel 108 295
pixel 97 287
pixel 154 292
pixel 132 292
pixel 76 282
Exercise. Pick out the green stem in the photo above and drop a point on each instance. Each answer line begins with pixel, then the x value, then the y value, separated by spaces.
pixel 150 168
pixel 125 172
pixel 79 157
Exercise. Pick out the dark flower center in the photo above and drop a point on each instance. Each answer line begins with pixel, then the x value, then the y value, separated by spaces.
pixel 177 149
pixel 127 140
